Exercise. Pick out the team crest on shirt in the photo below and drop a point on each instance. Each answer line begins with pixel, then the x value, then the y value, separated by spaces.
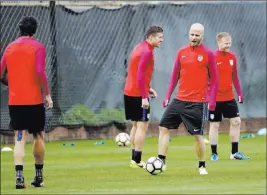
pixel 231 62
pixel 212 116
pixel 200 58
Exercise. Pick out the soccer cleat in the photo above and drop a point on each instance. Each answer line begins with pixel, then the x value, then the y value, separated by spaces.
pixel 214 157
pixel 37 182
pixel 203 171
pixel 238 156
pixel 20 183
pixel 164 167
pixel 133 164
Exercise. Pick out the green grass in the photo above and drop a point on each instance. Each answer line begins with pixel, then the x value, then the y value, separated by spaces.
pixel 103 169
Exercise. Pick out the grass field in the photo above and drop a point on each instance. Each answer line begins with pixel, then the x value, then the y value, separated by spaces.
pixel 103 169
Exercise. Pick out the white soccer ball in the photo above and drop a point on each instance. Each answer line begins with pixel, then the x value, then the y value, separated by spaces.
pixel 154 165
pixel 123 139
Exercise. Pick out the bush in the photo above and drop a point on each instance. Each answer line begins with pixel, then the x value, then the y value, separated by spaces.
pixel 80 114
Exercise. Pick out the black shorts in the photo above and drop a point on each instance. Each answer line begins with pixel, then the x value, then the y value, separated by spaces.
pixel 133 109
pixel 192 114
pixel 27 117
pixel 227 109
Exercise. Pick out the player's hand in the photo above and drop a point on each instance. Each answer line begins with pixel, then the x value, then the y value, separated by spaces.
pixel 211 106
pixel 49 102
pixel 152 93
pixel 165 102
pixel 240 99
pixel 145 103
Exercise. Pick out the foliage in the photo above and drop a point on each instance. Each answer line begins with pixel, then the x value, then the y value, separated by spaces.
pixel 80 114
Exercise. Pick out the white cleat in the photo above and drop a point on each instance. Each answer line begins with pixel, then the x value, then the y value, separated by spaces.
pixel 203 171
pixel 164 167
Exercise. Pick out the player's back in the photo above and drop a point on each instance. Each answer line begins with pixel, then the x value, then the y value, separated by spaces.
pixel 131 86
pixel 24 86
pixel 194 75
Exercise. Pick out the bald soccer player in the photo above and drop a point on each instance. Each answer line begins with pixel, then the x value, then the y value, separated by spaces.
pixel 226 105
pixel 193 68
pixel 137 89
pixel 24 60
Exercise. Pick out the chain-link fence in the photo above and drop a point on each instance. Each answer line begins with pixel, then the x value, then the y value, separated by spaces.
pixel 88 50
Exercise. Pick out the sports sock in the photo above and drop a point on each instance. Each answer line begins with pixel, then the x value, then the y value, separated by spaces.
pixel 39 170
pixel 19 170
pixel 201 164
pixel 214 149
pixel 137 156
pixel 234 147
pixel 163 158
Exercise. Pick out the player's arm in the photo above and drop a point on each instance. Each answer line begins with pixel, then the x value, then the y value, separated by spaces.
pixel 40 69
pixel 237 83
pixel 3 70
pixel 213 83
pixel 141 81
pixel 173 81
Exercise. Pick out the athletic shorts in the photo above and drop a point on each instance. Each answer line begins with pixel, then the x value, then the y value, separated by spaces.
pixel 133 109
pixel 27 117
pixel 192 114
pixel 227 109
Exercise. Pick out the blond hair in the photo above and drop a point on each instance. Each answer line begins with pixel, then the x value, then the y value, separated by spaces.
pixel 221 35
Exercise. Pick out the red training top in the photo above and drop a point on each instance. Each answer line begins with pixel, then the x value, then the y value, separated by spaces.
pixel 194 67
pixel 24 60
pixel 140 71
pixel 227 76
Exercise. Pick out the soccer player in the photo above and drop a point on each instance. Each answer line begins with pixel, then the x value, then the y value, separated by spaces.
pixel 137 90
pixel 193 68
pixel 24 60
pixel 226 105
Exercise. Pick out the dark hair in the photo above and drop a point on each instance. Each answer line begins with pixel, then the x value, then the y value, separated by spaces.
pixel 152 30
pixel 28 26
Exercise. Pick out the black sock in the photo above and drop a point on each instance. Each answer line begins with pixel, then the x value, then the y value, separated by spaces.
pixel 234 147
pixel 137 156
pixel 163 158
pixel 39 170
pixel 213 149
pixel 133 154
pixel 201 164
pixel 19 170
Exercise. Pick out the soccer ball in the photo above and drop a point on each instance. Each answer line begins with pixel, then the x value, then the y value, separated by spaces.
pixel 154 165
pixel 123 139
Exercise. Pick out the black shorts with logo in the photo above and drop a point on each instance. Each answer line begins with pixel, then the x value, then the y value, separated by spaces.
pixel 133 109
pixel 226 109
pixel 27 117
pixel 192 114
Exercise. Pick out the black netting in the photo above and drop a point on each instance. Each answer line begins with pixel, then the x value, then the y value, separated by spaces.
pixel 88 51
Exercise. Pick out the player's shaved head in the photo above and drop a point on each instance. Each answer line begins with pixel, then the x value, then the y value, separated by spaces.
pixel 196 34
pixel 197 27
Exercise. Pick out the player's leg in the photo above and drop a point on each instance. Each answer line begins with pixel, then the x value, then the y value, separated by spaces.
pixel 129 107
pixel 231 111
pixel 163 144
pixel 39 154
pixel 193 118
pixel 215 118
pixel 201 154
pixel 140 118
pixel 36 128
pixel 132 136
pixel 139 140
pixel 18 123
pixel 170 120
pixel 19 154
